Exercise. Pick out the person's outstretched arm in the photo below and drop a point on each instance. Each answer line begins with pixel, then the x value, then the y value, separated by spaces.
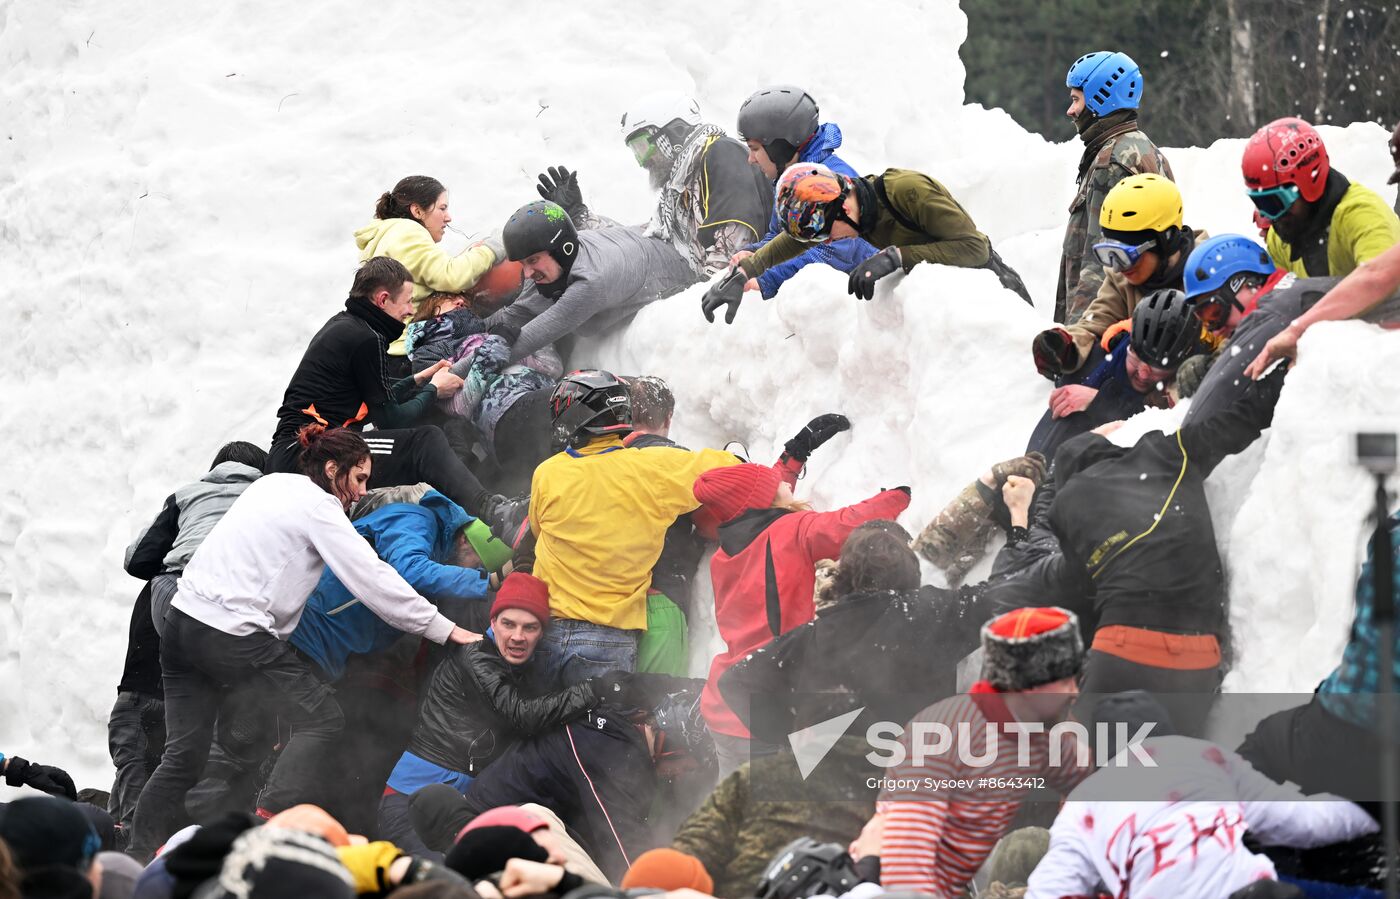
pixel 1366 287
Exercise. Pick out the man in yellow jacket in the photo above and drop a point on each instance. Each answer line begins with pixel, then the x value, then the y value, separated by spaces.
pixel 1144 248
pixel 599 511
pixel 1323 224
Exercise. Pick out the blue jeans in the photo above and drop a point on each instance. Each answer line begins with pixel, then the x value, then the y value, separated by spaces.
pixel 573 651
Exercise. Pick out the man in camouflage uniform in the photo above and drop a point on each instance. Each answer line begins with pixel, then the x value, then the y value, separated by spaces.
pixel 1114 148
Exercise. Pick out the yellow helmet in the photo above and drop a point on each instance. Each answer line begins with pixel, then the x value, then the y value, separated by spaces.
pixel 1142 203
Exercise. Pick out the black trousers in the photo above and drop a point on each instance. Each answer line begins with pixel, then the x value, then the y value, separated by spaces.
pixel 406 456
pixel 1186 695
pixel 199 665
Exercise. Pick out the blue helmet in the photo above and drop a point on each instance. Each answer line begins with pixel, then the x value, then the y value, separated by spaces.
pixel 1220 258
pixel 1110 81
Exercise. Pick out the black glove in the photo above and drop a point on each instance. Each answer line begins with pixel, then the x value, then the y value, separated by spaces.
pixel 559 185
pixel 508 332
pixel 45 778
pixel 727 291
pixel 818 431
pixel 1054 352
pixel 907 491
pixel 421 870
pixel 611 686
pixel 865 274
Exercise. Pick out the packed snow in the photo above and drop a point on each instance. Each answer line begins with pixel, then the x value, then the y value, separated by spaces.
pixel 180 183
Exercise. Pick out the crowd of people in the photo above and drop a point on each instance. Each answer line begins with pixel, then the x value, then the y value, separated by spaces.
pixel 435 639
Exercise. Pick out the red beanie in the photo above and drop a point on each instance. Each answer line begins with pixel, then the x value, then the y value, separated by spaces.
pixel 730 491
pixel 668 869
pixel 522 591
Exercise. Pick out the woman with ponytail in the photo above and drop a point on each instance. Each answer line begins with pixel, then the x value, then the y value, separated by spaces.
pixel 239 599
pixel 409 222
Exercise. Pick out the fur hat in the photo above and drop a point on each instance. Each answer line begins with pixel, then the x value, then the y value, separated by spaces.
pixel 1028 647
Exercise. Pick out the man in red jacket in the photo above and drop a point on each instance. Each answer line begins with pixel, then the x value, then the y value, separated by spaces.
pixel 763 573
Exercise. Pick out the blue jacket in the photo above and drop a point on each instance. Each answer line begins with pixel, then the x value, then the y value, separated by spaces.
pixel 414 539
pixel 842 254
pixel 1350 691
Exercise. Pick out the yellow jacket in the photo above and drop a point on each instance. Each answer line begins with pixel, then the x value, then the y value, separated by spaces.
pixel 1362 228
pixel 1116 300
pixel 432 269
pixel 600 514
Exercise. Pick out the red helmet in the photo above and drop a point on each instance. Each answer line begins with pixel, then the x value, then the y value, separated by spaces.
pixel 1287 151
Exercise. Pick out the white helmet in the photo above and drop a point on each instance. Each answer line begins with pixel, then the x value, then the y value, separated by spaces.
pixel 658 111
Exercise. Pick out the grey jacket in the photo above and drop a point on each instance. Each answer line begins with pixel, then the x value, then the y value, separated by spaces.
pixel 189 514
pixel 617 271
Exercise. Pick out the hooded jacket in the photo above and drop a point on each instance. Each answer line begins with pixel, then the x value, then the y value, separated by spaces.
pixel 1129 516
pixel 478 705
pixel 1350 225
pixel 187 517
pixel 841 255
pixel 417 540
pixel 763 580
pixel 408 242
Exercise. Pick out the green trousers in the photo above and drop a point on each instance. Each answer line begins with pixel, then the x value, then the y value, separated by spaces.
pixel 665 646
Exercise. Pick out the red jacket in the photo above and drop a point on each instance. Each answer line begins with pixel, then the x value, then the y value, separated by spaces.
pixel 746 618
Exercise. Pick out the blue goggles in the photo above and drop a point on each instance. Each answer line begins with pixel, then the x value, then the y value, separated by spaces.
pixel 1273 202
pixel 1118 256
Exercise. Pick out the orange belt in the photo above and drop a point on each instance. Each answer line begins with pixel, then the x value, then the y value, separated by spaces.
pixel 1179 652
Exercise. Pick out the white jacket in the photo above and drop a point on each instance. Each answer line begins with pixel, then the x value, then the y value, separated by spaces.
pixel 258 566
pixel 1112 831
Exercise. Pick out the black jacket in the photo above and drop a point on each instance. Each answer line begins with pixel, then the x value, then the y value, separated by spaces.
pixel 1034 572
pixel 343 377
pixel 892 653
pixel 1225 381
pixel 596 774
pixel 1136 521
pixel 478 705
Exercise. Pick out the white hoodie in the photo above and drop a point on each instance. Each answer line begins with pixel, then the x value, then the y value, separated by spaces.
pixel 258 566
pixel 1187 840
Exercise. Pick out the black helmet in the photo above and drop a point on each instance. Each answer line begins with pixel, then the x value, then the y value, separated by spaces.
pixel 807 868
pixel 683 729
pixel 538 227
pixel 1165 331
pixel 780 118
pixel 589 403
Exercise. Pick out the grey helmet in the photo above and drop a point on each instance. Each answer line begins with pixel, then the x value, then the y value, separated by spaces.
pixel 781 118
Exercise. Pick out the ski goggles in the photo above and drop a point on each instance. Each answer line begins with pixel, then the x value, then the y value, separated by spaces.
pixel 1273 202
pixel 1213 309
pixel 643 146
pixel 1118 256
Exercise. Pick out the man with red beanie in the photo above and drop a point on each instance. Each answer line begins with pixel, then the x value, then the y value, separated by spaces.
pixel 934 842
pixel 1322 223
pixel 479 702
pixel 764 572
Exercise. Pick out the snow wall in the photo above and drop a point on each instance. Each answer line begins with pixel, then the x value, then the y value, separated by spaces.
pixel 178 187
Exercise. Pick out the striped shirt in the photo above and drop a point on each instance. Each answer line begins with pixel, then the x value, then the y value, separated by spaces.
pixel 938 832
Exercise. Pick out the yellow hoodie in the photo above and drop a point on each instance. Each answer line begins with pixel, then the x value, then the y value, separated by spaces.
pixel 432 269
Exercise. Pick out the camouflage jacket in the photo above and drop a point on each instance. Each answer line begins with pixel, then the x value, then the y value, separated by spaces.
pixel 1122 150
pixel 766 804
